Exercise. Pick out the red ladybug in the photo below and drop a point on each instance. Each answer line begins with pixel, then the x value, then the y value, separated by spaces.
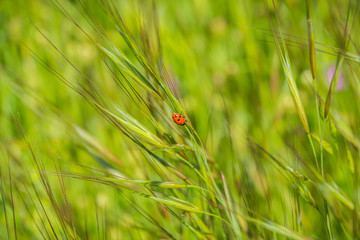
pixel 178 119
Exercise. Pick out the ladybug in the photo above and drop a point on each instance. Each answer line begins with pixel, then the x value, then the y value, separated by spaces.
pixel 178 119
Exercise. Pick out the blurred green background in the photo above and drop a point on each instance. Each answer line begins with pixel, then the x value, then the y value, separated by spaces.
pixel 223 66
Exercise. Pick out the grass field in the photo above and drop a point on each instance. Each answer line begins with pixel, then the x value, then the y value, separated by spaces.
pixel 270 91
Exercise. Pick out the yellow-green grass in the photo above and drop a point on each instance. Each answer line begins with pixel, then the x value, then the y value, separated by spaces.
pixel 89 150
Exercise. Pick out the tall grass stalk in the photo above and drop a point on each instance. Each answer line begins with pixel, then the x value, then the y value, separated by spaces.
pixel 93 152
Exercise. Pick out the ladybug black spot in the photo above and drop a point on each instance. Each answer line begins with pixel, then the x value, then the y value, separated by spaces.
pixel 179 119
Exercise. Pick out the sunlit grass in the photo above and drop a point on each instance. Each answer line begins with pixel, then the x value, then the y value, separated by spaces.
pixel 89 149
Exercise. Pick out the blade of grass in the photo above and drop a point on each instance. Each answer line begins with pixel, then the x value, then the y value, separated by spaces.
pixel 230 209
pixel 3 200
pixel 285 61
pixel 311 40
pixel 333 84
pixel 132 71
pixel 12 200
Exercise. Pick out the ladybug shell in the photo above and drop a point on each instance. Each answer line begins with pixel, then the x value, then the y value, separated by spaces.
pixel 178 119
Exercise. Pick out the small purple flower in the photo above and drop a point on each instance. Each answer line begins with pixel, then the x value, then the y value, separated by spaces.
pixel 329 75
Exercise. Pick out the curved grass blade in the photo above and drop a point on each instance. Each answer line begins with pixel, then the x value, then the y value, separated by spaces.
pixel 333 84
pixel 285 62
pixel 132 71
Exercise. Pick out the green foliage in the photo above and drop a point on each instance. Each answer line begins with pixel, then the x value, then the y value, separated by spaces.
pixel 270 91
